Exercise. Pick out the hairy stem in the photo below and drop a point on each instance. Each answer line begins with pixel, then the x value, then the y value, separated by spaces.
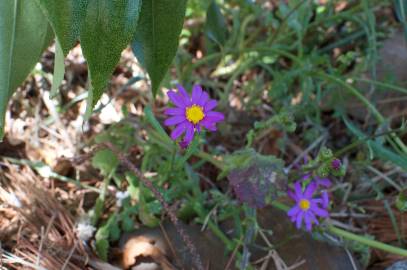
pixel 187 240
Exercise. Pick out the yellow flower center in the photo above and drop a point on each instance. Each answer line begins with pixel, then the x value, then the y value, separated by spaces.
pixel 194 114
pixel 304 204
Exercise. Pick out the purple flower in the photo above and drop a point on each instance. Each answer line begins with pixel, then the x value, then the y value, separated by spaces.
pixel 191 113
pixel 325 182
pixel 336 164
pixel 307 208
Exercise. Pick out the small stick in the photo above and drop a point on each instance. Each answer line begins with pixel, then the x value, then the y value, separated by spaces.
pixel 195 256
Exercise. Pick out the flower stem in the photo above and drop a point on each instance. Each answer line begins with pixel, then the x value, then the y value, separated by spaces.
pixel 368 242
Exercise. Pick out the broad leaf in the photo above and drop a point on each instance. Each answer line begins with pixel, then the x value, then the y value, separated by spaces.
pixel 156 40
pixel 24 34
pixel 105 161
pixel 253 176
pixel 104 28
pixel 65 19
pixel 107 29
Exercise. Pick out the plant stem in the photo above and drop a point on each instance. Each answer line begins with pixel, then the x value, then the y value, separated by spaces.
pixel 356 143
pixel 368 242
pixel 173 217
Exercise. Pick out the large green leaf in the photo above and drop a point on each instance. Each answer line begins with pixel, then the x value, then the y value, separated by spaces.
pixel 107 29
pixel 65 17
pixel 24 34
pixel 157 36
pixel 104 28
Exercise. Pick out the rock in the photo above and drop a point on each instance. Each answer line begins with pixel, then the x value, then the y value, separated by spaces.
pixel 157 249
pixel 401 265
pixel 295 245
pixel 391 67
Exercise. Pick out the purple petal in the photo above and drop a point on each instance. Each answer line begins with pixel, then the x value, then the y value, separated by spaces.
pixel 294 211
pixel 208 124
pixel 308 223
pixel 183 144
pixel 175 120
pixel 210 105
pixel 292 195
pixel 299 220
pixel 298 190
pixel 189 135
pixel 313 218
pixel 319 211
pixel 325 199
pixel 316 200
pixel 306 176
pixel 325 182
pixel 309 191
pixel 211 128
pixel 183 93
pixel 204 98
pixel 178 100
pixel 196 93
pixel 215 116
pixel 174 111
pixel 178 131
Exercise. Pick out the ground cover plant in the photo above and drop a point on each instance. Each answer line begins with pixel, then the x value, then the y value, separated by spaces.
pixel 230 134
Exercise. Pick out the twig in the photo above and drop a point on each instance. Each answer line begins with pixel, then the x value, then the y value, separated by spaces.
pixel 167 239
pixel 43 236
pixel 69 256
pixel 232 257
pixel 195 256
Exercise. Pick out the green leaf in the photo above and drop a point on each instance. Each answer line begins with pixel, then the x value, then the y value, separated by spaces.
pixel 65 17
pixel 24 34
pixel 147 218
pixel 377 148
pixel 215 27
pixel 401 202
pixel 59 68
pixel 156 40
pixel 105 160
pixel 107 29
pixel 127 223
pixel 386 154
pixel 104 28
pixel 102 248
pixel 156 125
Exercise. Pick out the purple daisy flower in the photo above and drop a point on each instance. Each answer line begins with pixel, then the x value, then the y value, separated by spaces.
pixel 306 207
pixel 191 113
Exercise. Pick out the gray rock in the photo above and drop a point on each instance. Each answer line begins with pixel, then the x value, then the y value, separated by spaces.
pixel 401 265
